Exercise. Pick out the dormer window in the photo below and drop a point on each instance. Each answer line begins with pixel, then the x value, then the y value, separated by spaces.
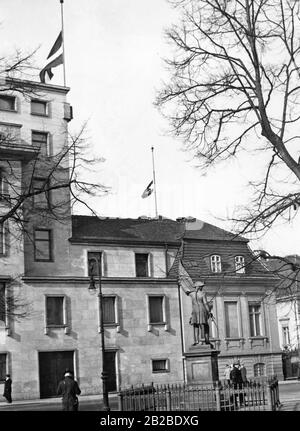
pixel 239 262
pixel 215 263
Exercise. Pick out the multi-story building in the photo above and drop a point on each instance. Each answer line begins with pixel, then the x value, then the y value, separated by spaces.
pixel 145 314
pixel 33 135
pixel 287 297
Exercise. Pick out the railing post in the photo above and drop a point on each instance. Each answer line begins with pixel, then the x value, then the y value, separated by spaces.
pixel 218 396
pixel 168 399
pixel 269 396
pixel 120 401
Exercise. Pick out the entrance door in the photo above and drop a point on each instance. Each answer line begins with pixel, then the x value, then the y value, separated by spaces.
pixel 110 369
pixel 52 366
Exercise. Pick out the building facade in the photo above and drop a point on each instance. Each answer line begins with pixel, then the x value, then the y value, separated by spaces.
pixel 145 313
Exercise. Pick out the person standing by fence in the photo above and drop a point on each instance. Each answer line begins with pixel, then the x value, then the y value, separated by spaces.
pixel 243 371
pixel 227 374
pixel 237 381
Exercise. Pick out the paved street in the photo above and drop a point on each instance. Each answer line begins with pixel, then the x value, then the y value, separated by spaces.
pixel 289 397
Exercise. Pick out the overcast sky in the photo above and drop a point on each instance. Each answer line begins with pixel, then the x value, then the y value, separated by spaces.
pixel 114 51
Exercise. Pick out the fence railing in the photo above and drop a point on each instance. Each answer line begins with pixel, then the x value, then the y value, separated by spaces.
pixel 262 394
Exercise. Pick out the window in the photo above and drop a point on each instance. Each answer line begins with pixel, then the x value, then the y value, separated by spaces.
pixel 55 315
pixel 40 140
pixel 41 200
pixel 39 107
pixel 2 239
pixel 231 319
pixel 94 263
pixel 215 263
pixel 141 265
pixel 160 365
pixel 156 310
pixel 2 303
pixel 286 335
pixel 109 309
pixel 3 370
pixel 7 103
pixel 239 264
pixel 42 245
pixel 259 370
pixel 255 320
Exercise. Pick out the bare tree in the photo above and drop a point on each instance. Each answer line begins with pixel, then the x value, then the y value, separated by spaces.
pixel 235 88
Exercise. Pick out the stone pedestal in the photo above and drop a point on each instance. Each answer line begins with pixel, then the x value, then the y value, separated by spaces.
pixel 201 365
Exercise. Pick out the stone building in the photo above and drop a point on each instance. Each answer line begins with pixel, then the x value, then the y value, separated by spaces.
pixel 287 298
pixel 145 313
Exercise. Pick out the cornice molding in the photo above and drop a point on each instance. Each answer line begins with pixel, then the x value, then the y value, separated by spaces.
pixel 122 242
pixel 104 280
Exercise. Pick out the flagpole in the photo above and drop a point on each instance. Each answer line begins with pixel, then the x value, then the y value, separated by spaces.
pixel 63 39
pixel 154 182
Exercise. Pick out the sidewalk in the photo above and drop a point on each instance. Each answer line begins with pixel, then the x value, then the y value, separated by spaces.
pixel 55 400
pixel 289 395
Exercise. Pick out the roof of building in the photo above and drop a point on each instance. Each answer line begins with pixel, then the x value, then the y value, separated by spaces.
pixel 160 230
pixel 287 269
pixel 91 228
pixel 199 239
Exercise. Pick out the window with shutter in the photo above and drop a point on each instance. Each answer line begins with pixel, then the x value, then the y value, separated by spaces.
pixel 109 310
pixel 55 310
pixel 159 365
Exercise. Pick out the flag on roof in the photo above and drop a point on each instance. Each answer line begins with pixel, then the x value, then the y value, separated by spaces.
pixel 184 279
pixel 56 46
pixel 56 58
pixel 148 190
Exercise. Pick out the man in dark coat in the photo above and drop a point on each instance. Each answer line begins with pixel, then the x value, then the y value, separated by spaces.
pixel 237 381
pixel 7 388
pixel 69 390
pixel 236 376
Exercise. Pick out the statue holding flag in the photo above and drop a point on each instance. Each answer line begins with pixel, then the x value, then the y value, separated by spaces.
pixel 201 308
pixel 201 312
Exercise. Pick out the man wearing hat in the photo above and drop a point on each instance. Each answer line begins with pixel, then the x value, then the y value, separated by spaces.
pixel 237 381
pixel 7 388
pixel 201 312
pixel 69 390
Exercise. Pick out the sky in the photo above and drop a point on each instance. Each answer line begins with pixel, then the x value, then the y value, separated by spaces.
pixel 114 54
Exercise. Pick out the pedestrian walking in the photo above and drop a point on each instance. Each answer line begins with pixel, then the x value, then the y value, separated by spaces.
pixel 7 388
pixel 69 389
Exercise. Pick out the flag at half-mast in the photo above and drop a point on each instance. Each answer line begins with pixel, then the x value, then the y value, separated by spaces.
pixel 55 57
pixel 148 190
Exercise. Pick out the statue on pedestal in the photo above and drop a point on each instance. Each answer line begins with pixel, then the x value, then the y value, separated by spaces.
pixel 201 312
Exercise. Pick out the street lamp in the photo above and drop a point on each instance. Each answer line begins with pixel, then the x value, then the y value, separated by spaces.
pixel 92 288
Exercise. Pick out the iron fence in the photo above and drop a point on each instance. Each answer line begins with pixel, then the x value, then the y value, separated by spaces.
pixel 257 394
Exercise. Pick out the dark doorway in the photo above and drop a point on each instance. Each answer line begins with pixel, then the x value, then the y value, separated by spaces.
pixel 52 366
pixel 110 368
